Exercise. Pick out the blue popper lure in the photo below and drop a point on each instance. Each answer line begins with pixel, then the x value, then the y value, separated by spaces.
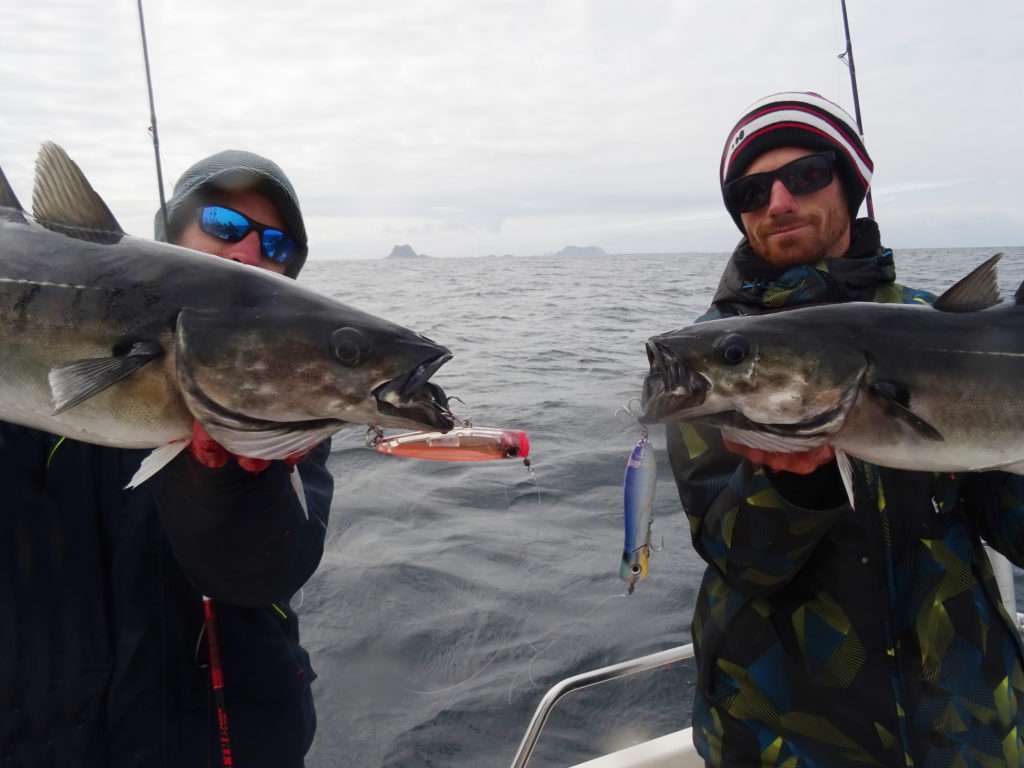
pixel 638 508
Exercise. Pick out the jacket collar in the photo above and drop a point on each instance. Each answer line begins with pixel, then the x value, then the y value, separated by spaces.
pixel 856 276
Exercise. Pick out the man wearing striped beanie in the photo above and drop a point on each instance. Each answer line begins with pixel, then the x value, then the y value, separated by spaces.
pixel 827 635
pixel 795 220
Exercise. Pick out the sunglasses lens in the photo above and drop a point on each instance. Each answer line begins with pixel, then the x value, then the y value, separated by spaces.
pixel 748 193
pixel 803 176
pixel 277 246
pixel 223 223
pixel 807 175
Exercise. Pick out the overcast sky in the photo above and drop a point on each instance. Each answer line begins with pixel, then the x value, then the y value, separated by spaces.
pixel 468 127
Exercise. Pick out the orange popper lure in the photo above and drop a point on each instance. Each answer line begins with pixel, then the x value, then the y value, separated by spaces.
pixel 466 443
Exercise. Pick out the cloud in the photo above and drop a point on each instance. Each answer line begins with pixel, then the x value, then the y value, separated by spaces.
pixel 499 126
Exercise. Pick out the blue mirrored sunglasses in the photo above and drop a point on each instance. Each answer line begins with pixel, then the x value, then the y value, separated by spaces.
pixel 230 225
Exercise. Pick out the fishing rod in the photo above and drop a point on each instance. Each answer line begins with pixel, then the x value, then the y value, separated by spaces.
pixel 152 121
pixel 209 609
pixel 847 57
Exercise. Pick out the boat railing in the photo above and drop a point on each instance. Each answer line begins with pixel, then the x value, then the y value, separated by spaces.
pixel 1001 567
pixel 585 680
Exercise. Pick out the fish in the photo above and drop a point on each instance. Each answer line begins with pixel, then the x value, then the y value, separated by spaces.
pixel 466 443
pixel 121 341
pixel 909 386
pixel 638 486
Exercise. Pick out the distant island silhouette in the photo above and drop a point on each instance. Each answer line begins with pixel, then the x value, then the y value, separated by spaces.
pixel 581 250
pixel 406 252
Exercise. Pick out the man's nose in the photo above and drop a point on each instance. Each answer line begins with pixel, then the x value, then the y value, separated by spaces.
pixel 246 250
pixel 781 200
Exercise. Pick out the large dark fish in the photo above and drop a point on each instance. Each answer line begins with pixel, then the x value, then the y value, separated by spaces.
pixel 121 341
pixel 933 388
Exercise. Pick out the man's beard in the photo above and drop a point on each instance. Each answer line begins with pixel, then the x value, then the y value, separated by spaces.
pixel 806 245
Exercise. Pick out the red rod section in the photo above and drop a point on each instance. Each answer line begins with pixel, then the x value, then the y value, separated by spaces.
pixel 217 682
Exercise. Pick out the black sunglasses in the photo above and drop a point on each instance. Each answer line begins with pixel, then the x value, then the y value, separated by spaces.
pixel 801 177
pixel 231 226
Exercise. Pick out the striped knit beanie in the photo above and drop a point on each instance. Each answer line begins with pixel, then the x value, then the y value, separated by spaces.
pixel 797 119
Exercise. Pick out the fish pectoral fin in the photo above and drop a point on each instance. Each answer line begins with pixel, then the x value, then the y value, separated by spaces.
pixel 895 399
pixel 846 473
pixel 157 460
pixel 979 290
pixel 300 491
pixel 64 201
pixel 76 382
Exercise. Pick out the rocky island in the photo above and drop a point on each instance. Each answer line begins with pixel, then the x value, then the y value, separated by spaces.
pixel 405 252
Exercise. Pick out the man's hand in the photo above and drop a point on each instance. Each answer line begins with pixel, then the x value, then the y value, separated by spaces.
pixel 799 463
pixel 210 453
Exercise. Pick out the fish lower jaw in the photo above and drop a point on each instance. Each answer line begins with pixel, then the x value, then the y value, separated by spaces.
pixel 678 404
pixel 411 415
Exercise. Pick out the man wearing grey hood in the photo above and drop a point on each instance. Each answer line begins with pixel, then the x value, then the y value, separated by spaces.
pixel 108 655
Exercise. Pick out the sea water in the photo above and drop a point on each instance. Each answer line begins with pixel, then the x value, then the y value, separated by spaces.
pixel 452 596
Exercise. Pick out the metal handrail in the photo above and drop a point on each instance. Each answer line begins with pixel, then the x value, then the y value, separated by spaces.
pixel 1001 567
pixel 585 680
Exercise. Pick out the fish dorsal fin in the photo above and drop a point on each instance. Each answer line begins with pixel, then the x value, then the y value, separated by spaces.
pixel 7 197
pixel 65 202
pixel 979 290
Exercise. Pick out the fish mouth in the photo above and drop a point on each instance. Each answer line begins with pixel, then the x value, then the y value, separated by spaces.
pixel 671 388
pixel 412 397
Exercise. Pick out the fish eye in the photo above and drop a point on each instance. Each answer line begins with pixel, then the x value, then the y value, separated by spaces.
pixel 350 346
pixel 733 348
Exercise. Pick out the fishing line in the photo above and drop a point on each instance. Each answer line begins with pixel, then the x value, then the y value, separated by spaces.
pixel 199 640
pixel 533 645
pixel 549 646
pixel 454 686
pixel 524 558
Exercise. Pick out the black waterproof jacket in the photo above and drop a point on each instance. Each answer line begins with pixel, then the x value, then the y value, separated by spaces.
pixel 102 663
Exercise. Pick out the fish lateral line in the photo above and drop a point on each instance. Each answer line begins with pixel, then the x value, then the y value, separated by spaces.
pixel 978 352
pixel 46 284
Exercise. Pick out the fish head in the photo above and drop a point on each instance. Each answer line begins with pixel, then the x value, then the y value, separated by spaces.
pixel 760 373
pixel 257 378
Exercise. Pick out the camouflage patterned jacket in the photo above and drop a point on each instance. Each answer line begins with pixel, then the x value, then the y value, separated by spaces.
pixel 832 636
